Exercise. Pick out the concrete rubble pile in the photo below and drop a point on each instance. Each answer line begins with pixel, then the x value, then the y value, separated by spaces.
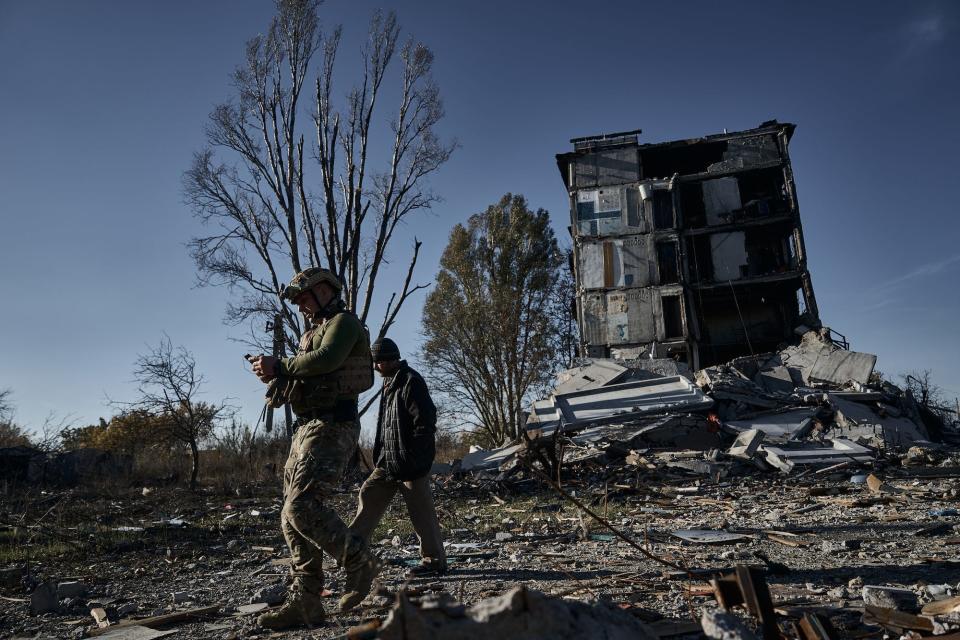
pixel 518 613
pixel 808 406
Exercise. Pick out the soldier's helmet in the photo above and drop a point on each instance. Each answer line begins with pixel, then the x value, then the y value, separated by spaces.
pixel 307 279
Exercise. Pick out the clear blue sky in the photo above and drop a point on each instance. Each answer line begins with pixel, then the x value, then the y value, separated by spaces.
pixel 103 103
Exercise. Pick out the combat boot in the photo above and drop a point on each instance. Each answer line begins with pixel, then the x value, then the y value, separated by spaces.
pixel 302 608
pixel 359 580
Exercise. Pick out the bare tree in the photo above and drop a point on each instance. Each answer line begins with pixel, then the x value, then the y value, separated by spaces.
pixel 278 200
pixel 490 334
pixel 931 398
pixel 6 405
pixel 169 386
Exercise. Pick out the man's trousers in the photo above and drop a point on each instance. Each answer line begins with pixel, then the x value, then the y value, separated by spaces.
pixel 375 496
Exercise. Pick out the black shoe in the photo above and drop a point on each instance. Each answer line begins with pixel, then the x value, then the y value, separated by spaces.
pixel 427 569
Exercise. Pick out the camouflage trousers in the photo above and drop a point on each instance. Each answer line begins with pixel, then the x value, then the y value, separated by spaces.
pixel 319 454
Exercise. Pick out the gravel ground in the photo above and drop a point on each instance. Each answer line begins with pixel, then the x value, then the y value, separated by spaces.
pixel 819 540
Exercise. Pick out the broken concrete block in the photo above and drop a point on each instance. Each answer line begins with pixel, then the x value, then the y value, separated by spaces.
pixel 180 596
pixel 746 444
pixel 890 598
pixel 855 419
pixel 271 594
pixel 43 599
pixel 503 536
pixel 720 625
pixel 819 360
pixel 72 589
pixel 100 617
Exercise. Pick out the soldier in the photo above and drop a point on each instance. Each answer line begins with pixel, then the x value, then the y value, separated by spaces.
pixel 321 383
pixel 403 453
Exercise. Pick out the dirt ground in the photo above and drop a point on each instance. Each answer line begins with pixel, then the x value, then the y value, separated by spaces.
pixel 818 539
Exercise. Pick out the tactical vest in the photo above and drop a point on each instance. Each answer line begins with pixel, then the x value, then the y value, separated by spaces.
pixel 353 377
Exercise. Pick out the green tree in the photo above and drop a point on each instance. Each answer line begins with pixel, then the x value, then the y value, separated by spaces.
pixel 11 434
pixel 491 325
pixel 87 437
pixel 129 432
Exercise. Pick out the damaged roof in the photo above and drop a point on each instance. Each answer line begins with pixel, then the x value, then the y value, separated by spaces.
pixel 591 144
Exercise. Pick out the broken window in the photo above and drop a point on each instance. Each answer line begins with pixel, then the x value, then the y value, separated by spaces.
pixel 770 250
pixel 728 315
pixel 699 259
pixel 691 206
pixel 721 199
pixel 685 159
pixel 633 207
pixel 742 153
pixel 667 264
pixel 672 317
pixel 729 255
pixel 662 203
pixel 763 193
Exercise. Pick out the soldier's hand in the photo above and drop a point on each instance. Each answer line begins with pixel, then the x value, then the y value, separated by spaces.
pixel 265 368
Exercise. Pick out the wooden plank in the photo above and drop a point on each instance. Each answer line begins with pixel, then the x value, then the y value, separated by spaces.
pixel 897 619
pixel 813 627
pixel 159 621
pixel 787 541
pixel 940 607
pixel 607 264
pixel 756 594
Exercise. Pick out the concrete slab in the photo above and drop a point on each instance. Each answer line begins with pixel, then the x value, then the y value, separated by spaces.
pixel 776 427
pixel 860 420
pixel 597 373
pixel 623 401
pixel 819 361
pixel 810 454
pixel 488 459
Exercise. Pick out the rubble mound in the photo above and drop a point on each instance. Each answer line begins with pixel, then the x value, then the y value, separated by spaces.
pixel 519 614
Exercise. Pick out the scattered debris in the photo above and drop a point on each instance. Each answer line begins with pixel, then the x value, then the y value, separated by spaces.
pixel 43 599
pixel 518 613
pixel 890 598
pixel 719 625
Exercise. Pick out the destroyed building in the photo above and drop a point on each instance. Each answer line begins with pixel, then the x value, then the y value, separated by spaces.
pixel 689 249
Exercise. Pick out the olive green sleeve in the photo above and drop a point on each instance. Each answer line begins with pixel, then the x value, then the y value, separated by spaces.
pixel 337 343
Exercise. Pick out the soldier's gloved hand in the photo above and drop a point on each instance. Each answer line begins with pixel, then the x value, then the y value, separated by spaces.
pixel 265 367
pixel 276 392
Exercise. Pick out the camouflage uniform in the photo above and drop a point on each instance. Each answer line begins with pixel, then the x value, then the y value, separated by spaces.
pixel 322 383
pixel 321 448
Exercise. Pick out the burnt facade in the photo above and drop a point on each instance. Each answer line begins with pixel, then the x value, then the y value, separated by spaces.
pixel 691 249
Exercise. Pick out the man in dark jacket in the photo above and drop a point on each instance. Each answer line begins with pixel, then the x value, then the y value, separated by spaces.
pixel 403 455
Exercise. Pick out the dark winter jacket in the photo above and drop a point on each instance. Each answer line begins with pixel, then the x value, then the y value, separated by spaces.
pixel 405 444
